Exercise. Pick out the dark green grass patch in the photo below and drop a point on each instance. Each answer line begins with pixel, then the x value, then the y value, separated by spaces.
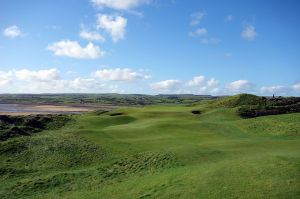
pixel 138 163
pixel 15 126
pixel 287 124
pixel 51 152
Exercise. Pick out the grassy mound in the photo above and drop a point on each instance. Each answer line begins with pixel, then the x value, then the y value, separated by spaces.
pixel 238 100
pixel 271 106
pixel 250 106
pixel 14 126
pixel 50 152
pixel 282 125
pixel 137 163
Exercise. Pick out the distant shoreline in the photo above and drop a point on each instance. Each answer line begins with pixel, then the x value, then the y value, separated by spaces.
pixel 47 108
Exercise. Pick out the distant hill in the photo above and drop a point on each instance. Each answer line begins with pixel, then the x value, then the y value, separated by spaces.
pixel 110 98
pixel 253 106
pixel 239 100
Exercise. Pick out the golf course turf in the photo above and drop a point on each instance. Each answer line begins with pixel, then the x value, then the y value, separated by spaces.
pixel 205 150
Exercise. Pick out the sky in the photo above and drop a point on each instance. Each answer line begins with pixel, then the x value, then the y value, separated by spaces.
pixel 212 47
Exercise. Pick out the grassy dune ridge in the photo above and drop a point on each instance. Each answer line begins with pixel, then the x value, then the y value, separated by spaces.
pixel 158 152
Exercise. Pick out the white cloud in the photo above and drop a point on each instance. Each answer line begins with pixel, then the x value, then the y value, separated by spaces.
pixel 240 86
pixel 212 83
pixel 296 87
pixel 249 33
pixel 119 4
pixel 197 81
pixel 91 36
pixel 197 18
pixel 50 81
pixel 166 86
pixel 207 91
pixel 229 18
pixel 4 82
pixel 45 81
pixel 199 32
pixel 119 74
pixel 203 85
pixel 76 85
pixel 115 26
pixel 12 32
pixel 84 84
pixel 73 49
pixel 273 90
pixel 5 78
pixel 40 75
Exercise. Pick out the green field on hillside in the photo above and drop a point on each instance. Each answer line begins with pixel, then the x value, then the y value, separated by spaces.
pixel 204 150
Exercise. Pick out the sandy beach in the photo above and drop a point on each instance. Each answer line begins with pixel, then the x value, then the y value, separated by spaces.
pixel 30 109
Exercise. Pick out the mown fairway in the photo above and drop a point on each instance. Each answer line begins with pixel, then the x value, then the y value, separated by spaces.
pixel 157 152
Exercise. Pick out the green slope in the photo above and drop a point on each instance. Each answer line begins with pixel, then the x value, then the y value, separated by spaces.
pixel 157 152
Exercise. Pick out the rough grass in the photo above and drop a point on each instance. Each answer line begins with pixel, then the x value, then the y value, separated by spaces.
pixel 15 126
pixel 157 152
pixel 138 163
pixel 238 100
pixel 250 106
pixel 287 124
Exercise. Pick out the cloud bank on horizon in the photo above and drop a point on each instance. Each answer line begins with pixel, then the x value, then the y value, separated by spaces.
pixel 151 47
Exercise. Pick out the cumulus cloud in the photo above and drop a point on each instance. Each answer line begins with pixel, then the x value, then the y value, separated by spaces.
pixel 199 32
pixel 51 81
pixel 39 75
pixel 166 86
pixel 73 49
pixel 273 90
pixel 240 86
pixel 76 85
pixel 91 36
pixel 249 33
pixel 114 25
pixel 119 74
pixel 45 81
pixel 5 78
pixel 197 17
pixel 119 4
pixel 12 32
pixel 296 87
pixel 203 85
pixel 212 82
pixel 197 81
pixel 84 84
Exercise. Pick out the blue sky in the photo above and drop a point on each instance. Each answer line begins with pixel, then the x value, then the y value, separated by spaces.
pixel 150 46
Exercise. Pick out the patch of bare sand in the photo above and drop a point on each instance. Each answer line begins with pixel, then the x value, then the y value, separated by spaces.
pixel 54 108
pixel 33 109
